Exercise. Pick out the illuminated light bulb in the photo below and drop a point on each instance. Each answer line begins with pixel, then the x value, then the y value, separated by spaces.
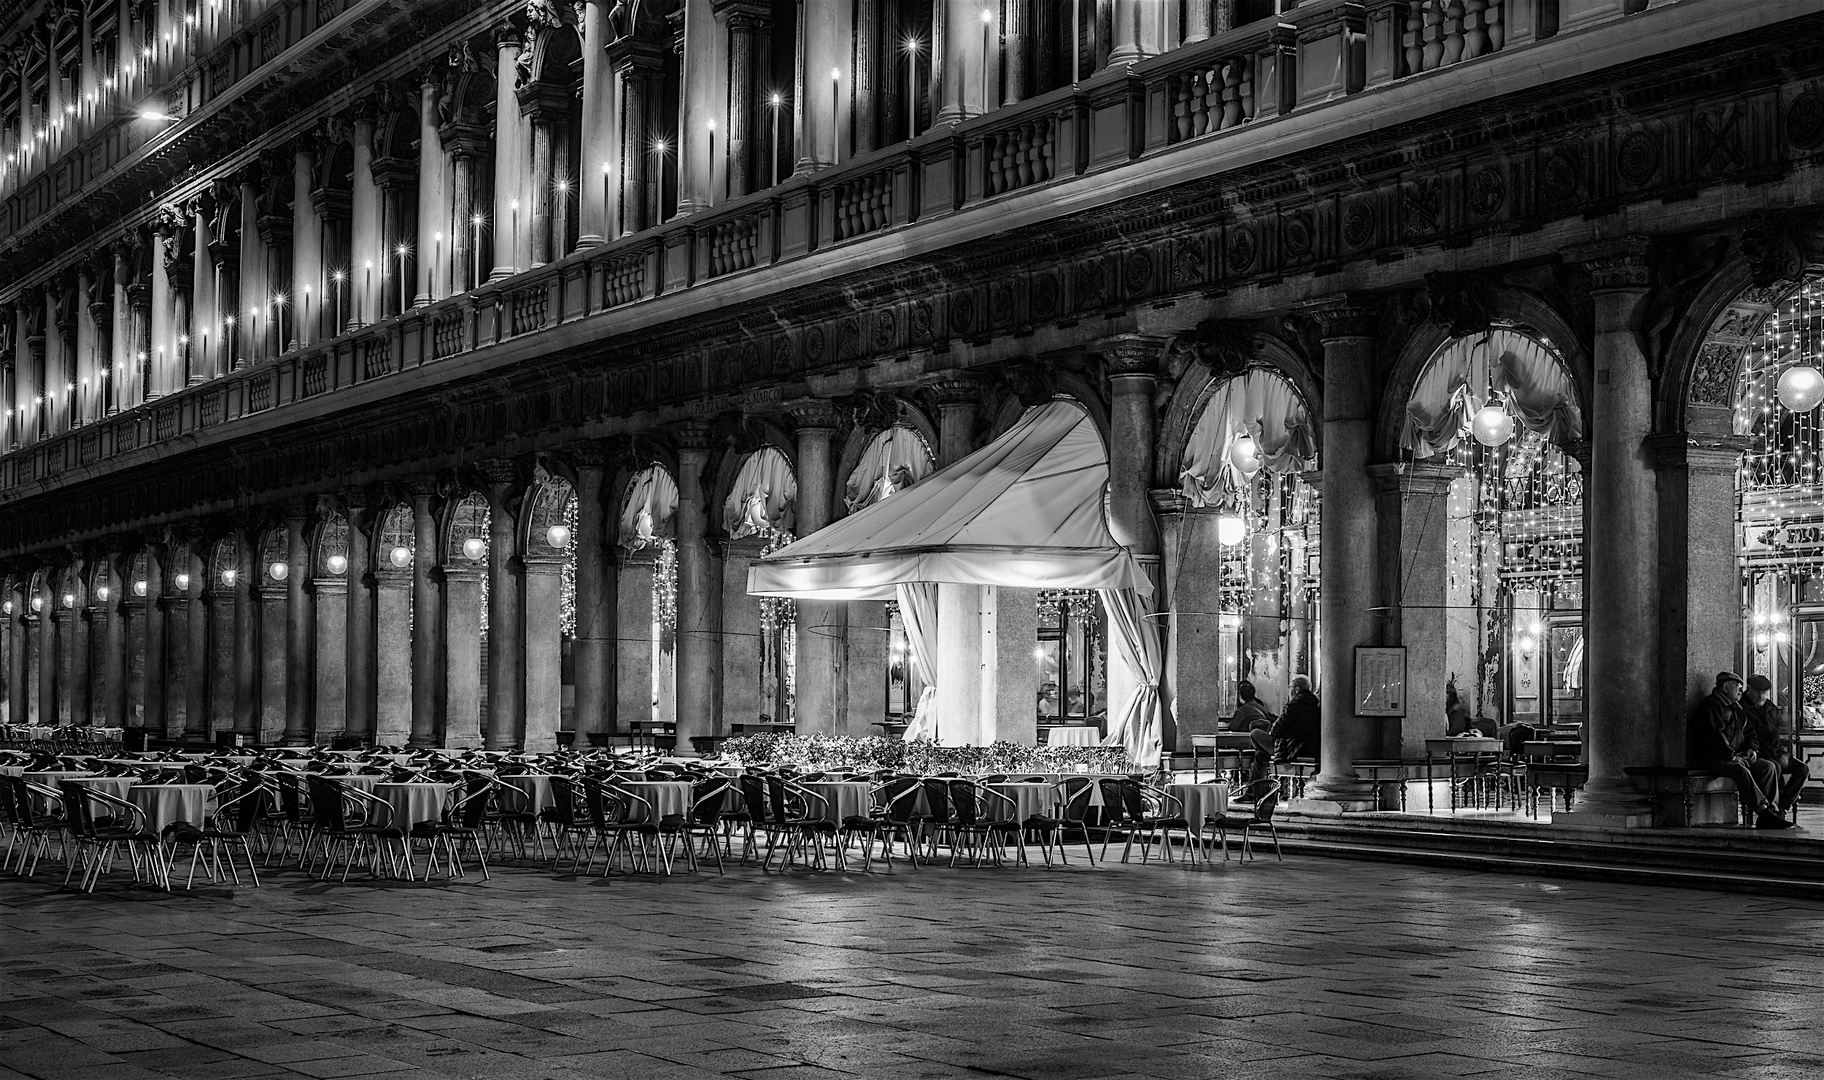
pixel 1039 655
pixel 69 600
pixel 1245 455
pixel 1231 530
pixel 558 536
pixel 278 570
pixel 1762 639
pixel 401 557
pixel 228 576
pixel 139 588
pixel 1801 387
pixel 1492 425
pixel 7 607
pixel 37 603
pixel 337 564
pixel 474 548
pixel 101 594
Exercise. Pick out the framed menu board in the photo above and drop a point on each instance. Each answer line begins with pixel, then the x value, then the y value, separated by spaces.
pixel 1380 680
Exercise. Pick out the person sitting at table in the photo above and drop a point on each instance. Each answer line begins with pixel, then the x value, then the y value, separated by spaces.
pixel 1252 717
pixel 1716 741
pixel 1048 699
pixel 1766 733
pixel 1457 720
pixel 1299 730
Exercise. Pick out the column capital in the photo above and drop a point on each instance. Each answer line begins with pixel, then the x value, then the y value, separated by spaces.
pixel 1132 355
pixel 1426 478
pixel 297 509
pixel 1168 500
pixel 954 389
pixel 1345 315
pixel 747 547
pixel 1614 264
pixel 1698 452
pixel 499 473
pixel 692 438
pixel 814 414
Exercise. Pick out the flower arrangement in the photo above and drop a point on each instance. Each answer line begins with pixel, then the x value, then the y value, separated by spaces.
pixel 823 753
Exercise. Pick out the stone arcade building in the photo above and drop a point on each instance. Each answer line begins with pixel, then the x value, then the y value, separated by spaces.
pixel 433 371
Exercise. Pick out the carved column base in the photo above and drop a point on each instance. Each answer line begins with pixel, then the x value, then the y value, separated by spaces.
pixel 1340 795
pixel 1608 804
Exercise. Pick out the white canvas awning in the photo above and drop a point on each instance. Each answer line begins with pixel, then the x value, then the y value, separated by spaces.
pixel 1025 511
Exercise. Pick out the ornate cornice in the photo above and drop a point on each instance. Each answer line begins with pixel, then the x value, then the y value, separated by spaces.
pixel 1615 264
pixel 1347 315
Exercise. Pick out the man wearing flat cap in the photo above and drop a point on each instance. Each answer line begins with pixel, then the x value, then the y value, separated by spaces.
pixel 1716 740
pixel 1768 737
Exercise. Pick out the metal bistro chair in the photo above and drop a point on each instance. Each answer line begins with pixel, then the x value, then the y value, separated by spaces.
pixel 1246 825
pixel 33 827
pixel 804 831
pixel 463 821
pixel 96 844
pixel 236 817
pixel 1144 811
pixel 1072 805
pixel 371 837
pixel 563 822
pixel 971 825
pixel 895 805
pixel 702 821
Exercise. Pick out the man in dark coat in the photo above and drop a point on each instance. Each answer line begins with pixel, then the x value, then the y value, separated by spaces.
pixel 1766 735
pixel 1298 732
pixel 1716 740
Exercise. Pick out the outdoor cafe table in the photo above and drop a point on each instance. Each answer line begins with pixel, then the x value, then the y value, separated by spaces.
pixel 1201 802
pixel 117 786
pixel 841 799
pixel 166 803
pixel 1455 750
pixel 537 787
pixel 411 803
pixel 1028 800
pixel 1073 735
pixel 664 796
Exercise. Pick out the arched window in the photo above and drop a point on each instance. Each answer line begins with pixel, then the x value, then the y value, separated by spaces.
pixel 649 519
pixel 762 503
pixel 895 459
pixel 1493 415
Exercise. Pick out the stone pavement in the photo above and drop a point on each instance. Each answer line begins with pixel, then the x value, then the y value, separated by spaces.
pixel 1308 968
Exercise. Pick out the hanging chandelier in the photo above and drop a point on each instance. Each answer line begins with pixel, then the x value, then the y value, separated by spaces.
pixel 1492 425
pixel 1244 454
pixel 1801 388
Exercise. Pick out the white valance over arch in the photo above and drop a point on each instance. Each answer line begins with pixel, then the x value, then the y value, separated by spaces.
pixel 1262 405
pixel 895 459
pixel 764 497
pixel 650 512
pixel 1506 366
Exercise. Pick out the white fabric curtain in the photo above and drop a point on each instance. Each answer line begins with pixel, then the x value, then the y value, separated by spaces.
pixel 1503 365
pixel 651 510
pixel 764 497
pixel 918 611
pixel 1133 643
pixel 896 459
pixel 1261 404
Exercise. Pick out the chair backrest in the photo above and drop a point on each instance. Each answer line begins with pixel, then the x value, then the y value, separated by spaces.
pixel 965 802
pixel 471 809
pixel 563 801
pixel 899 797
pixel 603 805
pixel 776 797
pixel 326 803
pixel 706 801
pixel 937 797
pixel 1267 803
pixel 1115 804
pixel 76 812
pixel 753 795
pixel 289 803
pixel 1074 793
pixel 240 811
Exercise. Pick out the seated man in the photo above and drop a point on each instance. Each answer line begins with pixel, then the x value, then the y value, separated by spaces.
pixel 1300 727
pixel 1767 736
pixel 1252 717
pixel 1716 741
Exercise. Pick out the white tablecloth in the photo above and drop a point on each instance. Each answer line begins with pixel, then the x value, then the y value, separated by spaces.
pixel 1201 801
pixel 537 787
pixel 49 779
pixel 1073 736
pixel 412 803
pixel 841 798
pixel 1028 800
pixel 166 803
pixel 117 786
pixel 665 797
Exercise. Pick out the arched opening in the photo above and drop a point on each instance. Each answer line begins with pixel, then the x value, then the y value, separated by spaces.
pixel 894 459
pixel 1489 440
pixel 1780 496
pixel 1245 596
pixel 647 619
pixel 549 544
pixel 760 686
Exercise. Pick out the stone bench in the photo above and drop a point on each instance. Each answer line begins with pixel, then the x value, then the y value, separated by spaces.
pixel 1682 797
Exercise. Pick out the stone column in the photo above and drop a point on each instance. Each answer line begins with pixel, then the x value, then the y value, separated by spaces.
pixel 329 603
pixel 221 645
pixel 1192 677
pixel 634 657
pixel 966 79
pixel 157 363
pixel 1010 623
pixel 196 624
pixel 394 674
pixel 593 648
pixel 1700 580
pixel 544 648
pixel 152 655
pixel 600 152
pixel 358 648
pixel 959 660
pixel 1413 506
pixel 69 660
pixel 1620 550
pixel 426 620
pixel 367 253
pixel 1127 42
pixel 1014 32
pixel 205 316
pixel 255 289
pixel 1198 16
pixel 275 656
pixel 1133 364
pixel 459 247
pixel 699 598
pixel 40 662
pixel 822 704
pixel 298 626
pixel 506 623
pixel 702 104
pixel 461 666
pixel 745 22
pixel 512 156
pixel 433 199
pixel 108 630
pixel 1350 565
pixel 742 654
pixel 18 689
pixel 176 605
pixel 306 254
pixel 244 699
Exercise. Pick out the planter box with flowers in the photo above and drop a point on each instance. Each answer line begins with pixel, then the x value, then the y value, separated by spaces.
pixel 827 753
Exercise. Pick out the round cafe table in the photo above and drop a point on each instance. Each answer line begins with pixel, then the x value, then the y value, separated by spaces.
pixel 1029 800
pixel 49 779
pixel 1073 735
pixel 841 799
pixel 537 788
pixel 664 796
pixel 117 786
pixel 412 803
pixel 166 803
pixel 1201 802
